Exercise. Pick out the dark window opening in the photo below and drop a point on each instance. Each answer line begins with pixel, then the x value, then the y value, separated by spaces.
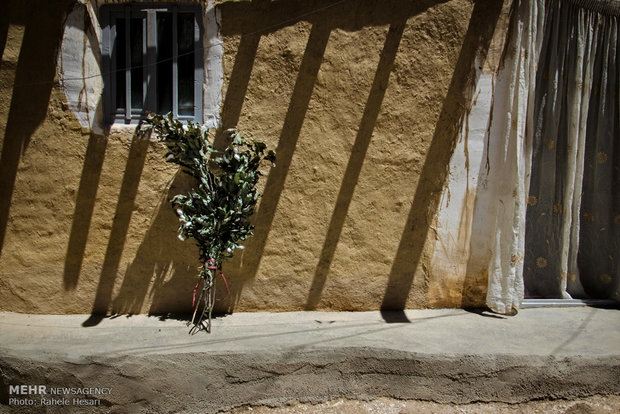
pixel 152 57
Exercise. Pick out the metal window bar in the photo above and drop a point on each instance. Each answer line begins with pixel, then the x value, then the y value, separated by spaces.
pixel 175 63
pixel 566 303
pixel 198 71
pixel 112 67
pixel 105 55
pixel 151 60
pixel 128 64
pixel 145 71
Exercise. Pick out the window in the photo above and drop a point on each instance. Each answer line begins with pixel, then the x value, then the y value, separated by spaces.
pixel 152 58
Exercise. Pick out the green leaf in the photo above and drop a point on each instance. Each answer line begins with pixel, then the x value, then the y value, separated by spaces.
pixel 216 213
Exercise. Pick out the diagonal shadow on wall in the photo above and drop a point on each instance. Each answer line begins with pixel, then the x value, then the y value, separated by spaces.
pixel 163 263
pixel 436 166
pixel 84 206
pixel 351 15
pixel 239 79
pixel 12 13
pixel 302 91
pixel 120 227
pixel 238 84
pixel 4 27
pixel 89 179
pixel 325 16
pixel 34 79
pixel 356 160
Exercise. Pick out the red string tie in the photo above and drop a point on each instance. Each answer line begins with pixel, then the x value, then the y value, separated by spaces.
pixel 223 278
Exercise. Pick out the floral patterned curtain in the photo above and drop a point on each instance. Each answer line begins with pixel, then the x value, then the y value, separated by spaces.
pixel 554 155
pixel 572 242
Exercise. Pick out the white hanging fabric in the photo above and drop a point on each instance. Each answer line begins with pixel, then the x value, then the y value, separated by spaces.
pixel 509 155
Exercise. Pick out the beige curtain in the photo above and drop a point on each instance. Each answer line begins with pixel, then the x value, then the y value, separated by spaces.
pixel 509 155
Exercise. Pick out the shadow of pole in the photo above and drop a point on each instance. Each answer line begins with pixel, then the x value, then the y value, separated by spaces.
pixel 302 91
pixel 162 263
pixel 238 84
pixel 4 27
pixel 394 316
pixel 249 19
pixel 350 15
pixel 436 166
pixel 34 80
pixel 356 160
pixel 84 206
pixel 120 226
pixel 239 80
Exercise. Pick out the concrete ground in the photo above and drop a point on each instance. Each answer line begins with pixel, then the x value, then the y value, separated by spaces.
pixel 449 357
pixel 598 404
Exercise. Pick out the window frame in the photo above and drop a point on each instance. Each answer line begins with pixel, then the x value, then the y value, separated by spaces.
pixel 148 13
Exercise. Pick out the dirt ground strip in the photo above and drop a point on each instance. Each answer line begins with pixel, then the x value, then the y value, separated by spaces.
pixel 593 405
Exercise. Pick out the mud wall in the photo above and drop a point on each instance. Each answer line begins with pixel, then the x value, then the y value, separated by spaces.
pixel 365 104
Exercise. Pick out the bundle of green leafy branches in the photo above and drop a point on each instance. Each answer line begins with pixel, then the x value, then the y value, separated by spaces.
pixel 216 212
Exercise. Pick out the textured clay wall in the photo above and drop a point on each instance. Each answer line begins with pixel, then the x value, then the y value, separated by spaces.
pixel 363 102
